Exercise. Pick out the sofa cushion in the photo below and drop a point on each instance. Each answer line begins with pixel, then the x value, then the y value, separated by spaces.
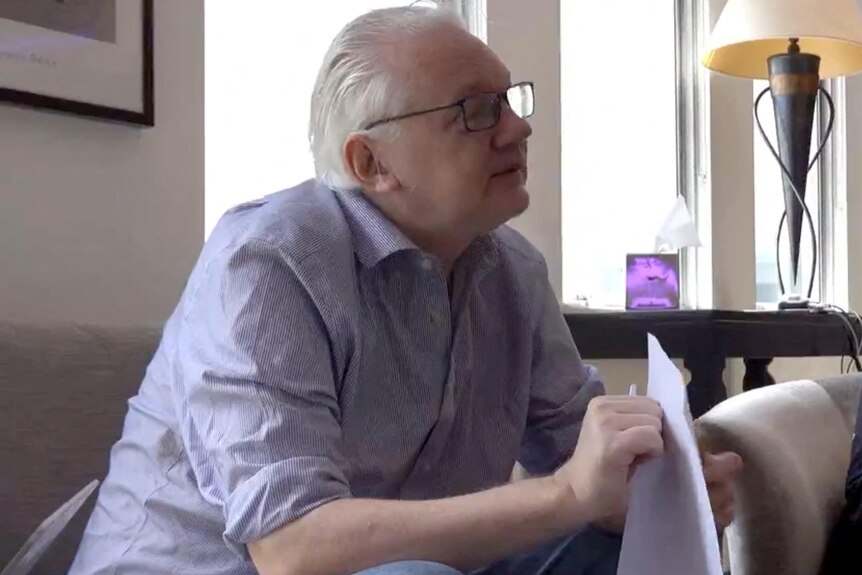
pixel 64 393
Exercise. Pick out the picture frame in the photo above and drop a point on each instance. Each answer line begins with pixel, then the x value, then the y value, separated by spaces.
pixel 91 58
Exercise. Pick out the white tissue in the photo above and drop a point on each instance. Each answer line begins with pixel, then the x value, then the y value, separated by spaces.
pixel 678 231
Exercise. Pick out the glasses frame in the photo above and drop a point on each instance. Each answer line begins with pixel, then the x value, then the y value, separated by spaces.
pixel 500 98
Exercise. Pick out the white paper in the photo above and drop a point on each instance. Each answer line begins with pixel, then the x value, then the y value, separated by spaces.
pixel 678 231
pixel 670 528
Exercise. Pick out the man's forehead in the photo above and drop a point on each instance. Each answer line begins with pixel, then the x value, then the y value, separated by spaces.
pixel 452 64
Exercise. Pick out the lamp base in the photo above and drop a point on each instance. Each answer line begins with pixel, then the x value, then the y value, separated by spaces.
pixel 794 301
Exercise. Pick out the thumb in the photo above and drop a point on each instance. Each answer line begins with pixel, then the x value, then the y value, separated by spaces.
pixel 721 465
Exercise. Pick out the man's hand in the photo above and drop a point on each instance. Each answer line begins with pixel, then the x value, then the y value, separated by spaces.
pixel 617 434
pixel 720 470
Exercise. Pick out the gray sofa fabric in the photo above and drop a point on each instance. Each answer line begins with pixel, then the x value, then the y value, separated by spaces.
pixel 63 395
pixel 795 439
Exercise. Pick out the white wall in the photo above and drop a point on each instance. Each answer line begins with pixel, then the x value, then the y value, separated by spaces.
pixel 526 35
pixel 100 222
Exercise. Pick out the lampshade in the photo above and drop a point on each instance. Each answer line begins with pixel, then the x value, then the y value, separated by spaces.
pixel 748 32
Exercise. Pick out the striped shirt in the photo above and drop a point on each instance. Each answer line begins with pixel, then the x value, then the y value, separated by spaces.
pixel 318 354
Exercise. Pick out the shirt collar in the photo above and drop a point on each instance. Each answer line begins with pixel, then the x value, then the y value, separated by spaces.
pixel 375 237
pixel 482 255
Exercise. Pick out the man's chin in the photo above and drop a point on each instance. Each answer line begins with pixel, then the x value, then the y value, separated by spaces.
pixel 520 197
pixel 511 203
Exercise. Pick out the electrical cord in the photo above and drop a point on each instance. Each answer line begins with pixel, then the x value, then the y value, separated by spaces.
pixel 855 340
pixel 856 360
pixel 796 193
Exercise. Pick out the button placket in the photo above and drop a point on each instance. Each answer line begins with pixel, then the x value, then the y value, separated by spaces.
pixel 439 307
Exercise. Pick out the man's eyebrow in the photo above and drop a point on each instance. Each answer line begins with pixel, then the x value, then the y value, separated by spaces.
pixel 477 87
pixel 469 89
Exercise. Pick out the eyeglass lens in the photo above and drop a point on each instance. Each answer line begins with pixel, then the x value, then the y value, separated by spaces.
pixel 483 110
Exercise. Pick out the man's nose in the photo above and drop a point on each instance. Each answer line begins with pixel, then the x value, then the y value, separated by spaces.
pixel 512 129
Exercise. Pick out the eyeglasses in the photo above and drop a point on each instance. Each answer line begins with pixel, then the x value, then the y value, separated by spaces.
pixel 482 111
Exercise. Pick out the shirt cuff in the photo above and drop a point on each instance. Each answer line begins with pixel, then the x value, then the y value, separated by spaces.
pixel 277 495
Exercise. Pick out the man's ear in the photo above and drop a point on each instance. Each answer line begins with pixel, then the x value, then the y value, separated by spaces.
pixel 365 165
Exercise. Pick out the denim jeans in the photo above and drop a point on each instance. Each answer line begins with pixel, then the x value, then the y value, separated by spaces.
pixel 589 552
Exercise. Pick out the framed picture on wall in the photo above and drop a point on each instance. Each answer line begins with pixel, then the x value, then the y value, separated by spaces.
pixel 88 57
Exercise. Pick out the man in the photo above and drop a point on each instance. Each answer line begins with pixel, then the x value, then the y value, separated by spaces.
pixel 357 363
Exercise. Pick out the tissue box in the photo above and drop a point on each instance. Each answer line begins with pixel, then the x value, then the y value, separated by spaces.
pixel 652 281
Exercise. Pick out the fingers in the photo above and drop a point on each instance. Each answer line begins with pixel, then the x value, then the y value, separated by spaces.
pixel 627 404
pixel 632 425
pixel 619 413
pixel 637 443
pixel 721 467
pixel 720 496
pixel 720 470
pixel 723 517
pixel 623 421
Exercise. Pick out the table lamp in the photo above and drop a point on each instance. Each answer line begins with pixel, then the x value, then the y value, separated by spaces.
pixel 794 44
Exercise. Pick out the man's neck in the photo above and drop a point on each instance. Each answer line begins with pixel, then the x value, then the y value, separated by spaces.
pixel 446 246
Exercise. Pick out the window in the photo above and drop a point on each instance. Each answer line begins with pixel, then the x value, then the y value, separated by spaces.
pixel 620 130
pixel 261 65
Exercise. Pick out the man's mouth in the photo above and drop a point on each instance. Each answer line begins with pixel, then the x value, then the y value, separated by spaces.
pixel 511 170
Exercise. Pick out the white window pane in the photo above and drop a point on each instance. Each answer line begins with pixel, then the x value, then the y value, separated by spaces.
pixel 261 63
pixel 619 131
pixel 769 206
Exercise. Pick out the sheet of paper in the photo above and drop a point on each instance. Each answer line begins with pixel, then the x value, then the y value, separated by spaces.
pixel 670 528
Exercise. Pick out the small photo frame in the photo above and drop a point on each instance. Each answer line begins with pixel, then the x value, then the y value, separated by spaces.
pixel 652 281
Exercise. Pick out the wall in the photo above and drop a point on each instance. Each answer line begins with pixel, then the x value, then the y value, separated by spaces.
pixel 100 222
pixel 526 35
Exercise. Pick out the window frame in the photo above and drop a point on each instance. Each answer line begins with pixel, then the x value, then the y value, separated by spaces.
pixel 475 12
pixel 693 147
pixel 833 240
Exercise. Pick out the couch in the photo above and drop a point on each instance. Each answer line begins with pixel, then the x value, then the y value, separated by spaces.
pixel 64 392
pixel 795 439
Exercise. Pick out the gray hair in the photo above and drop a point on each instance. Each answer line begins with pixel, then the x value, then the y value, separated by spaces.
pixel 354 88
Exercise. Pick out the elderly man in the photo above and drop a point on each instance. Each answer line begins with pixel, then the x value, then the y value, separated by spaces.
pixel 357 363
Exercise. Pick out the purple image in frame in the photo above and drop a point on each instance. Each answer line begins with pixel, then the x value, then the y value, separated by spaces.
pixel 652 281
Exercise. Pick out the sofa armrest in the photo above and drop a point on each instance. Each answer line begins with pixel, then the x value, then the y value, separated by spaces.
pixel 795 442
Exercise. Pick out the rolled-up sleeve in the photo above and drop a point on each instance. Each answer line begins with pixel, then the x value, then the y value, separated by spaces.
pixel 561 388
pixel 256 395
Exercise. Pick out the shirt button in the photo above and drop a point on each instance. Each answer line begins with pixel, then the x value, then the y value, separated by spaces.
pixel 426 264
